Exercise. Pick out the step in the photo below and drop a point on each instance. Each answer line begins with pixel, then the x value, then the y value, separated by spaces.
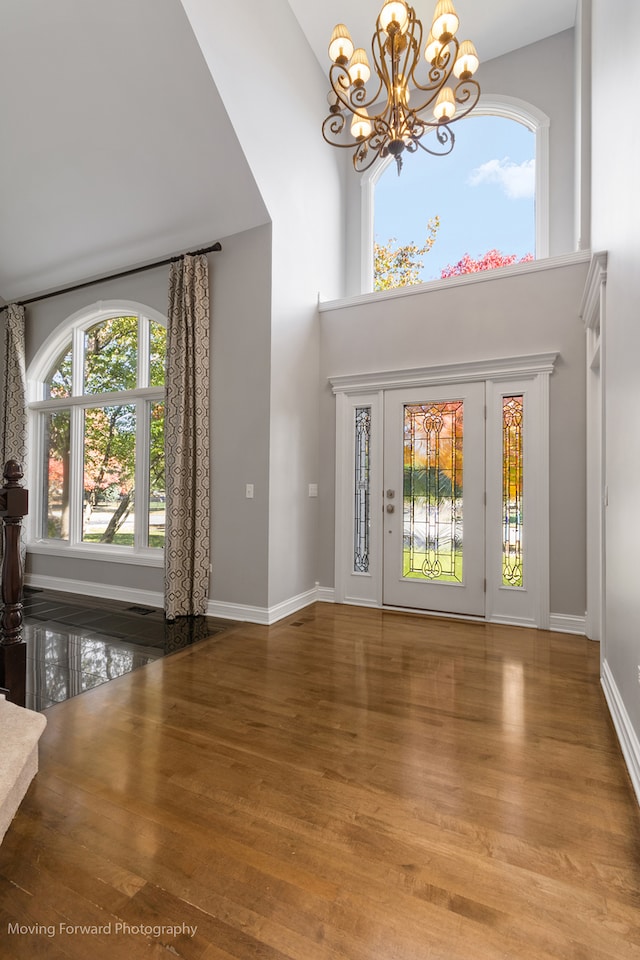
pixel 20 730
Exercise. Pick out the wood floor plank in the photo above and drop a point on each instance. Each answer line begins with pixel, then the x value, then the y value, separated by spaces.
pixel 348 784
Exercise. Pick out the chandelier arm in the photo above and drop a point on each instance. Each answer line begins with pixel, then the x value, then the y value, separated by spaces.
pixel 332 127
pixel 439 73
pixel 352 100
pixel 414 46
pixel 358 156
pixel 360 94
pixel 466 94
pixel 381 68
pixel 464 91
pixel 336 72
pixel 445 137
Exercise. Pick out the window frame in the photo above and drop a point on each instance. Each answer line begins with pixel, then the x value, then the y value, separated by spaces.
pixel 142 397
pixel 496 105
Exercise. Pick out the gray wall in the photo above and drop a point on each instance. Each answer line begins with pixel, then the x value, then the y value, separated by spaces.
pixel 497 317
pixel 239 408
pixel 240 413
pixel 616 229
pixel 543 75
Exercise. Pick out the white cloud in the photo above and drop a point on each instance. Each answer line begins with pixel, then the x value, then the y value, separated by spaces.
pixel 516 179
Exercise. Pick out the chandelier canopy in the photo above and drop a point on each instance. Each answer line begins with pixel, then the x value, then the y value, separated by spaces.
pixel 447 90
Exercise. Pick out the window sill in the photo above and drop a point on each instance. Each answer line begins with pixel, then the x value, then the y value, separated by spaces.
pixel 109 554
pixel 417 289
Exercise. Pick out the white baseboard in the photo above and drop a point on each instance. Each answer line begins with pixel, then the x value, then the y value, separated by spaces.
pixel 215 608
pixel 359 602
pixel 325 594
pixel 514 622
pixel 105 591
pixel 264 615
pixel 626 734
pixel 559 622
pixel 562 623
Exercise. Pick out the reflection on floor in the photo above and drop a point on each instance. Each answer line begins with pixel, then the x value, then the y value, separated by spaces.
pixel 75 643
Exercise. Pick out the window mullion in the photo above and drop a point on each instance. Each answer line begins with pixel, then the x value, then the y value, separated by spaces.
pixel 141 526
pixel 76 475
pixel 36 475
pixel 77 368
pixel 118 398
pixel 142 369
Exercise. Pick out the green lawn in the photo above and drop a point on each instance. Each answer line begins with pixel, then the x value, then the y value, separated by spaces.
pixel 125 539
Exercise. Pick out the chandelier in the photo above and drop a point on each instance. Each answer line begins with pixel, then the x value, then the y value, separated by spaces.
pixel 397 52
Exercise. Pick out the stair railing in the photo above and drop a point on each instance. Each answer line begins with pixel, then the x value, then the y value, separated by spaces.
pixel 14 505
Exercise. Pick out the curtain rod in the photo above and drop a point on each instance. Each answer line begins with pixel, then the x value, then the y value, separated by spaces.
pixel 215 247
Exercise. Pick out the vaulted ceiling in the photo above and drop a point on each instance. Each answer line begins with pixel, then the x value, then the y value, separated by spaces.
pixel 116 148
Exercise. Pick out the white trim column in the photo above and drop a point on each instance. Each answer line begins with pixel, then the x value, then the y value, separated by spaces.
pixel 593 314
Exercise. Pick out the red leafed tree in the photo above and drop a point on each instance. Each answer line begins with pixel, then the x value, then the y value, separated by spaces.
pixel 488 261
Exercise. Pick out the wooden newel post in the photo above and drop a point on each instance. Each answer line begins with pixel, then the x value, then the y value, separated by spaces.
pixel 14 505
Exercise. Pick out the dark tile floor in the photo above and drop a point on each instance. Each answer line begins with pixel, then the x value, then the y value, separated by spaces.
pixel 75 643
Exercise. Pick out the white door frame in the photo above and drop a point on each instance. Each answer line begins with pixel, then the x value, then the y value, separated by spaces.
pixel 527 606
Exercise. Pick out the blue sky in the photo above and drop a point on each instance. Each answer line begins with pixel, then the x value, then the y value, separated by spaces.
pixel 483 192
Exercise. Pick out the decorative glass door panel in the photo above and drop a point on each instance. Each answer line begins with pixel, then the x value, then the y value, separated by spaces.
pixel 433 505
pixel 512 490
pixel 432 491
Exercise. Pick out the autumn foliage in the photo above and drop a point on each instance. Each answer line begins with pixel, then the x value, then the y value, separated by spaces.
pixel 489 261
pixel 400 266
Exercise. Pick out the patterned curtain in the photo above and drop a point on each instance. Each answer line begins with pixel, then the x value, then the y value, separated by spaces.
pixel 186 577
pixel 13 425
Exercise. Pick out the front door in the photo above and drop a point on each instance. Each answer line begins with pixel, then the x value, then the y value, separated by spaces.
pixel 433 527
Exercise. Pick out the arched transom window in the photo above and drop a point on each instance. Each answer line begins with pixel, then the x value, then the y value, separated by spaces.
pixel 483 205
pixel 97 435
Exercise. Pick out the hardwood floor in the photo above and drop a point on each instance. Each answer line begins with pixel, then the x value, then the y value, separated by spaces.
pixel 346 784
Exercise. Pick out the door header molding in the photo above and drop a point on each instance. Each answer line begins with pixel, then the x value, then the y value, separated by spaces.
pixel 502 368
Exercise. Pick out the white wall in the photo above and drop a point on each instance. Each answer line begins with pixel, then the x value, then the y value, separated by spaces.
pixel 542 74
pixel 301 181
pixel 240 386
pixel 485 318
pixel 616 229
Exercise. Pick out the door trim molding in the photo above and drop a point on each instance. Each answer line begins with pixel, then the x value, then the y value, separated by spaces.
pixel 496 369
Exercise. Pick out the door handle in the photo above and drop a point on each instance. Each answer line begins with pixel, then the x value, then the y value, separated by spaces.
pixel 391 494
pixel 390 508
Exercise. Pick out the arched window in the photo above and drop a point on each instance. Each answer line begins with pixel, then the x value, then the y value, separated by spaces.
pixel 97 435
pixel 490 193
